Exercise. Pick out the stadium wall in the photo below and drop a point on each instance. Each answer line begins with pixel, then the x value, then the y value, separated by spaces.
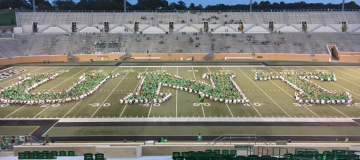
pixel 98 57
pixel 31 59
pixel 345 56
pixel 291 57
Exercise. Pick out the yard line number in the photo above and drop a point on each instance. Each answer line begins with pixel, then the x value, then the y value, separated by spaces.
pixel 98 104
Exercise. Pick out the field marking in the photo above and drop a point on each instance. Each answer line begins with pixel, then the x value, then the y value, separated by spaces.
pixel 22 74
pixel 290 95
pixel 15 111
pixel 34 130
pixel 344 72
pixel 249 101
pixel 56 86
pixel 122 112
pixel 194 72
pixel 152 104
pixel 335 84
pixel 50 129
pixel 338 111
pixel 352 69
pixel 150 110
pixel 110 92
pixel 340 85
pixel 177 73
pixel 67 78
pixel 72 108
pixel 263 92
pixel 25 105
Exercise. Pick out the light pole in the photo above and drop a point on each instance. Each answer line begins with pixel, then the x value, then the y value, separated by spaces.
pixel 343 5
pixel 250 5
pixel 125 6
pixel 34 6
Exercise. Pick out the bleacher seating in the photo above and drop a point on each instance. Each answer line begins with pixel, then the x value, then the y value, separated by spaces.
pixel 232 155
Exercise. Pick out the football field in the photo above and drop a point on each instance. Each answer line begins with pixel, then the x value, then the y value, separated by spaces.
pixel 268 99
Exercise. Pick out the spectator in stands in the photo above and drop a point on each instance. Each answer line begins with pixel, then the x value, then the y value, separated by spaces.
pixel 12 142
pixel 199 137
pixel 347 140
pixel 47 139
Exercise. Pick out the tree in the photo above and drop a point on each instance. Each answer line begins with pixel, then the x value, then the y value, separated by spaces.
pixel 64 5
pixel 192 6
pixel 19 4
pixel 42 4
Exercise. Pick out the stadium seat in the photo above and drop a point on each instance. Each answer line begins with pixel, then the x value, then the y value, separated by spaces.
pixel 40 156
pixel 71 153
pixel 208 150
pixel 88 156
pixel 49 155
pixel 175 154
pixel 185 154
pixel 217 151
pixel 21 155
pixel 99 156
pixel 62 153
pixel 55 153
pixel 225 152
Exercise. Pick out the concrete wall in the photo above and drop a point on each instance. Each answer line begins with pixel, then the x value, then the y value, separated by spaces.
pixel 30 59
pixel 345 56
pixel 95 57
pixel 291 57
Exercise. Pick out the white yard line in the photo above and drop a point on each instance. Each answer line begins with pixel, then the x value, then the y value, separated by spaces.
pixel 110 92
pixel 352 69
pixel 49 129
pixel 264 92
pixel 15 77
pixel 67 78
pixel 330 105
pixel 72 108
pixel 56 86
pixel 25 105
pixel 339 111
pixel 176 114
pixel 150 110
pixel 290 95
pixel 122 112
pixel 249 102
pixel 152 104
pixel 344 72
pixel 202 106
pixel 15 111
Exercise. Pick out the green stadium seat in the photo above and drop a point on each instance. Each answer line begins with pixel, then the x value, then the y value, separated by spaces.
pixel 62 153
pixel 88 156
pixel 233 152
pixel 40 156
pixel 217 151
pixel 185 154
pixel 178 158
pixel 49 155
pixel 55 153
pixel 175 154
pixel 21 155
pixel 225 152
pixel 208 150
pixel 71 153
pixel 99 156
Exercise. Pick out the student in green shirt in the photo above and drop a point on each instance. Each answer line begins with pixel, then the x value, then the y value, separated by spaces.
pixel 199 137
pixel 47 139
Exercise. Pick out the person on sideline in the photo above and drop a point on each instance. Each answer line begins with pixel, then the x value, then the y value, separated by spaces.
pixel 199 137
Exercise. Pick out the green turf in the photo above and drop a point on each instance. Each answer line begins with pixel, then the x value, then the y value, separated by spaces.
pixel 268 98
pixel 204 130
pixel 16 130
